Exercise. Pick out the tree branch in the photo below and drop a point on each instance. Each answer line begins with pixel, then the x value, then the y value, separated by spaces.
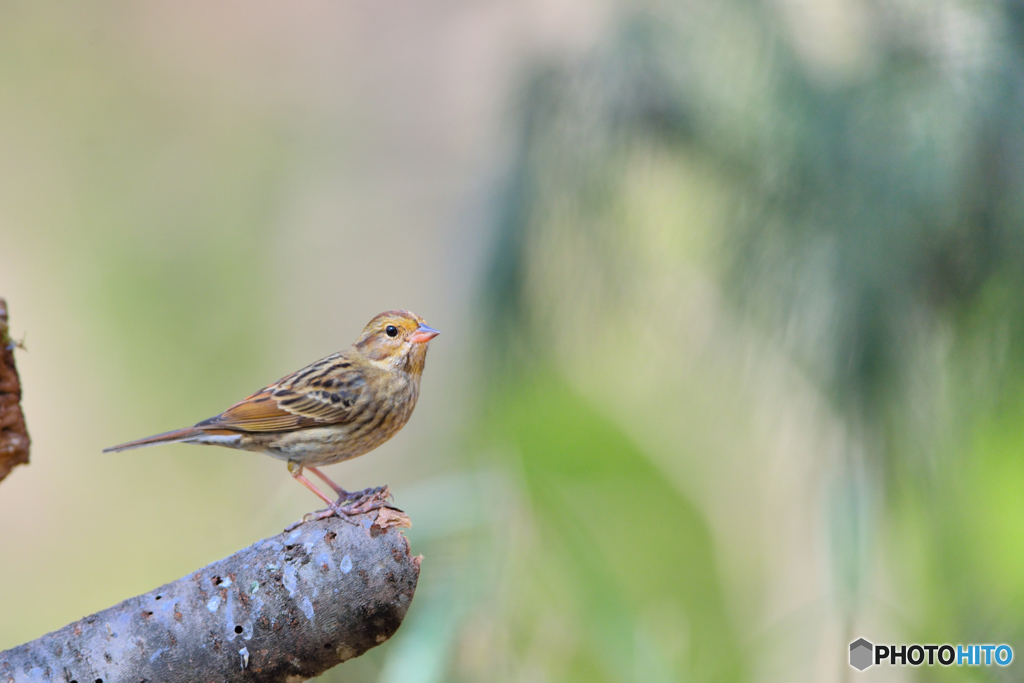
pixel 284 609
pixel 13 436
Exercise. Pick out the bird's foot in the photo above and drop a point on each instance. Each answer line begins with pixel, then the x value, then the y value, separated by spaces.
pixel 367 500
pixel 364 501
pixel 381 491
pixel 334 510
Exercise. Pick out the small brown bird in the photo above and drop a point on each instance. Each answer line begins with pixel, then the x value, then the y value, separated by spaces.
pixel 340 407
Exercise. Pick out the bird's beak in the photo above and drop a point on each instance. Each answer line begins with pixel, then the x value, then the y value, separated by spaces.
pixel 423 334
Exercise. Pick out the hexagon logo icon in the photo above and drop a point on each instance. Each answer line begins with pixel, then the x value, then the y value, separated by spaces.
pixel 860 654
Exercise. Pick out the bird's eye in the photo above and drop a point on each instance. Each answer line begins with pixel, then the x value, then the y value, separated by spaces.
pixel 391 330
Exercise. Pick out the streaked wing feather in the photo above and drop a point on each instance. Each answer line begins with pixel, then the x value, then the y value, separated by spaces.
pixel 324 393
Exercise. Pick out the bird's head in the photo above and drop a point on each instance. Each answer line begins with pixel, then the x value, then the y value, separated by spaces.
pixel 398 338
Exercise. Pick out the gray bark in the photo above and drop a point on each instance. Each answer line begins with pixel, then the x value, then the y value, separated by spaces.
pixel 285 609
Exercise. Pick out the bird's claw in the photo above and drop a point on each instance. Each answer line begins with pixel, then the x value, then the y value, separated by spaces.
pixel 366 500
pixel 318 515
pixel 378 491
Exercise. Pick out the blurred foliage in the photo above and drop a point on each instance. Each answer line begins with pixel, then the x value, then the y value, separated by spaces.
pixel 624 557
pixel 865 218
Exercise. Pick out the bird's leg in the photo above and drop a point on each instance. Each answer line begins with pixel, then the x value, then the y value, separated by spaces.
pixel 367 500
pixel 332 507
pixel 344 495
pixel 297 473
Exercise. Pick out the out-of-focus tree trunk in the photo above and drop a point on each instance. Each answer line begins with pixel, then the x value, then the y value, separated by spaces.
pixel 14 440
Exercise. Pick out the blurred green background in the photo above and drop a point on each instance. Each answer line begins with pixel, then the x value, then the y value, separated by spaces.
pixel 732 364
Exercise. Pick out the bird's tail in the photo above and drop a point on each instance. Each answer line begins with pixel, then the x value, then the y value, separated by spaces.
pixel 186 435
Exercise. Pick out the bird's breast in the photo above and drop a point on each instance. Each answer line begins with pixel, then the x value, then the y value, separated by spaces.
pixel 387 410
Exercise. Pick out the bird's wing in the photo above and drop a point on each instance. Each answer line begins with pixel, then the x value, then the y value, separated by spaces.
pixel 330 391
